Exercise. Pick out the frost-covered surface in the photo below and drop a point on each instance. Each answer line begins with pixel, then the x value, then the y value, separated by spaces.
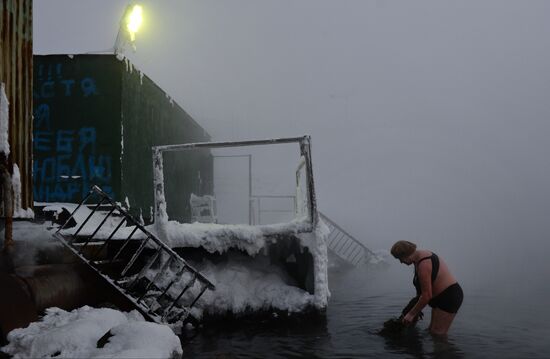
pixel 121 144
pixel 18 212
pixel 243 284
pixel 221 237
pixel 316 242
pixel 250 282
pixel 75 334
pixel 31 238
pixel 79 216
pixel 4 121
pixel 246 283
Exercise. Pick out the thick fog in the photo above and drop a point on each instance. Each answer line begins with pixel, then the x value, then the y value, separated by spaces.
pixel 430 120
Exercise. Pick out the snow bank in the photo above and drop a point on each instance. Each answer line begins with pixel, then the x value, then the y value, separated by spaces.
pixel 75 334
pixel 140 339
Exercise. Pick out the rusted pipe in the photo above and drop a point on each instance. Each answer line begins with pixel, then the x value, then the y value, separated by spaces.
pixel 31 289
pixel 57 285
pixel 17 309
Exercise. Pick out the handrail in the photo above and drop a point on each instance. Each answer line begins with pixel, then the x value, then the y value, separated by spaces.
pixel 340 242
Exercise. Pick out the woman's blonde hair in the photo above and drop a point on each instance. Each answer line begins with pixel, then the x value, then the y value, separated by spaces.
pixel 402 249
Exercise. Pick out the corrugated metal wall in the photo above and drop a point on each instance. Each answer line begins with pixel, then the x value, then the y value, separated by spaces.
pixel 95 120
pixel 151 118
pixel 16 74
pixel 77 131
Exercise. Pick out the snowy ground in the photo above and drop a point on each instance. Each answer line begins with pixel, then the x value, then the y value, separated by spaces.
pixel 76 334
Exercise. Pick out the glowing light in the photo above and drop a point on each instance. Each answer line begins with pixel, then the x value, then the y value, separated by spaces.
pixel 133 21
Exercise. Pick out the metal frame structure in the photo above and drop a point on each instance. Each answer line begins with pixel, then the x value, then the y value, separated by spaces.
pixel 257 199
pixel 153 300
pixel 304 142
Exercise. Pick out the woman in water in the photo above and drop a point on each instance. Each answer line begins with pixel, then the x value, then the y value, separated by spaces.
pixel 434 283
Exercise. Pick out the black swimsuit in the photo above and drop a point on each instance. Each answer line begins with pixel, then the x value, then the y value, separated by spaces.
pixel 449 299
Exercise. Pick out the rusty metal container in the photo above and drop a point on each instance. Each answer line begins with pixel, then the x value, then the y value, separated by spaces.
pixel 16 64
pixel 96 119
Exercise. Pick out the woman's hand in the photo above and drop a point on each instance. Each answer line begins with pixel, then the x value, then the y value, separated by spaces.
pixel 408 319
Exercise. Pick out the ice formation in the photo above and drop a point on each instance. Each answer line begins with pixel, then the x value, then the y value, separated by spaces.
pixel 18 211
pixel 4 121
pixel 243 282
pixel 249 282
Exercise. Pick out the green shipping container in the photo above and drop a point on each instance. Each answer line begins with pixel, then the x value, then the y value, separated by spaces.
pixel 95 120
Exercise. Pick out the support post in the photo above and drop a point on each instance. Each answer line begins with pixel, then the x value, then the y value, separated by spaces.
pixel 7 202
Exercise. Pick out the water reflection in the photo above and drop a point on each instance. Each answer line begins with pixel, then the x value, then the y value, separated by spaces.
pixel 266 336
pixel 416 343
pixel 445 348
pixel 405 341
pixel 360 304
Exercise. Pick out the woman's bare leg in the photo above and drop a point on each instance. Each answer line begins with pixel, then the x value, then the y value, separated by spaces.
pixel 441 321
pixel 431 320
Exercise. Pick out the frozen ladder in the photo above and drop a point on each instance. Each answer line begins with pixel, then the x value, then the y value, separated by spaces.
pixel 344 245
pixel 162 285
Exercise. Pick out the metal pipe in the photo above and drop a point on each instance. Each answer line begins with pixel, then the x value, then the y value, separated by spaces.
pixel 188 146
pixel 96 230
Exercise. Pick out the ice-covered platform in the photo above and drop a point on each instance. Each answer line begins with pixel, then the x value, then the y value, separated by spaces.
pixel 253 268
pixel 171 269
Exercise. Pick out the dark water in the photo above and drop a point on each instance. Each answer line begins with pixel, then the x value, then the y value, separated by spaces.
pixel 489 325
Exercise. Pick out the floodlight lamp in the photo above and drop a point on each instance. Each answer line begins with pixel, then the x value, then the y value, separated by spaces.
pixel 133 21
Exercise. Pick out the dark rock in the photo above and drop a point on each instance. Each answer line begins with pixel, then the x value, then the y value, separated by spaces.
pixel 104 339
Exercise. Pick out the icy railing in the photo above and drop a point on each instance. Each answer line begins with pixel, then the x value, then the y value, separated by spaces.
pixel 155 283
pixel 345 246
pixel 304 201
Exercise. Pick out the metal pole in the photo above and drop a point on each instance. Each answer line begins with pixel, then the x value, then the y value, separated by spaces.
pixel 250 189
pixel 305 149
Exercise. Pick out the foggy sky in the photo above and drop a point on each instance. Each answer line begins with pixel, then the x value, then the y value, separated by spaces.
pixel 430 120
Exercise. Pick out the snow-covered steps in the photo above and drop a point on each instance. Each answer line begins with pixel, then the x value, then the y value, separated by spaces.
pixel 344 245
pixel 141 267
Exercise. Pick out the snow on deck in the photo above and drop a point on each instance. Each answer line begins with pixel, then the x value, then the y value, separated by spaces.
pixel 243 282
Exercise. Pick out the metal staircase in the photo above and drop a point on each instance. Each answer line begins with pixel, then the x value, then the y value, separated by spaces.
pixel 162 285
pixel 344 245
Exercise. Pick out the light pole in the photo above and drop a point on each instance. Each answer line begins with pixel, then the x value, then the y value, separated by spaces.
pixel 129 25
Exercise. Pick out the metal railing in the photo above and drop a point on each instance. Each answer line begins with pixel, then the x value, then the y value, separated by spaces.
pixel 161 215
pixel 142 267
pixel 344 245
pixel 256 207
